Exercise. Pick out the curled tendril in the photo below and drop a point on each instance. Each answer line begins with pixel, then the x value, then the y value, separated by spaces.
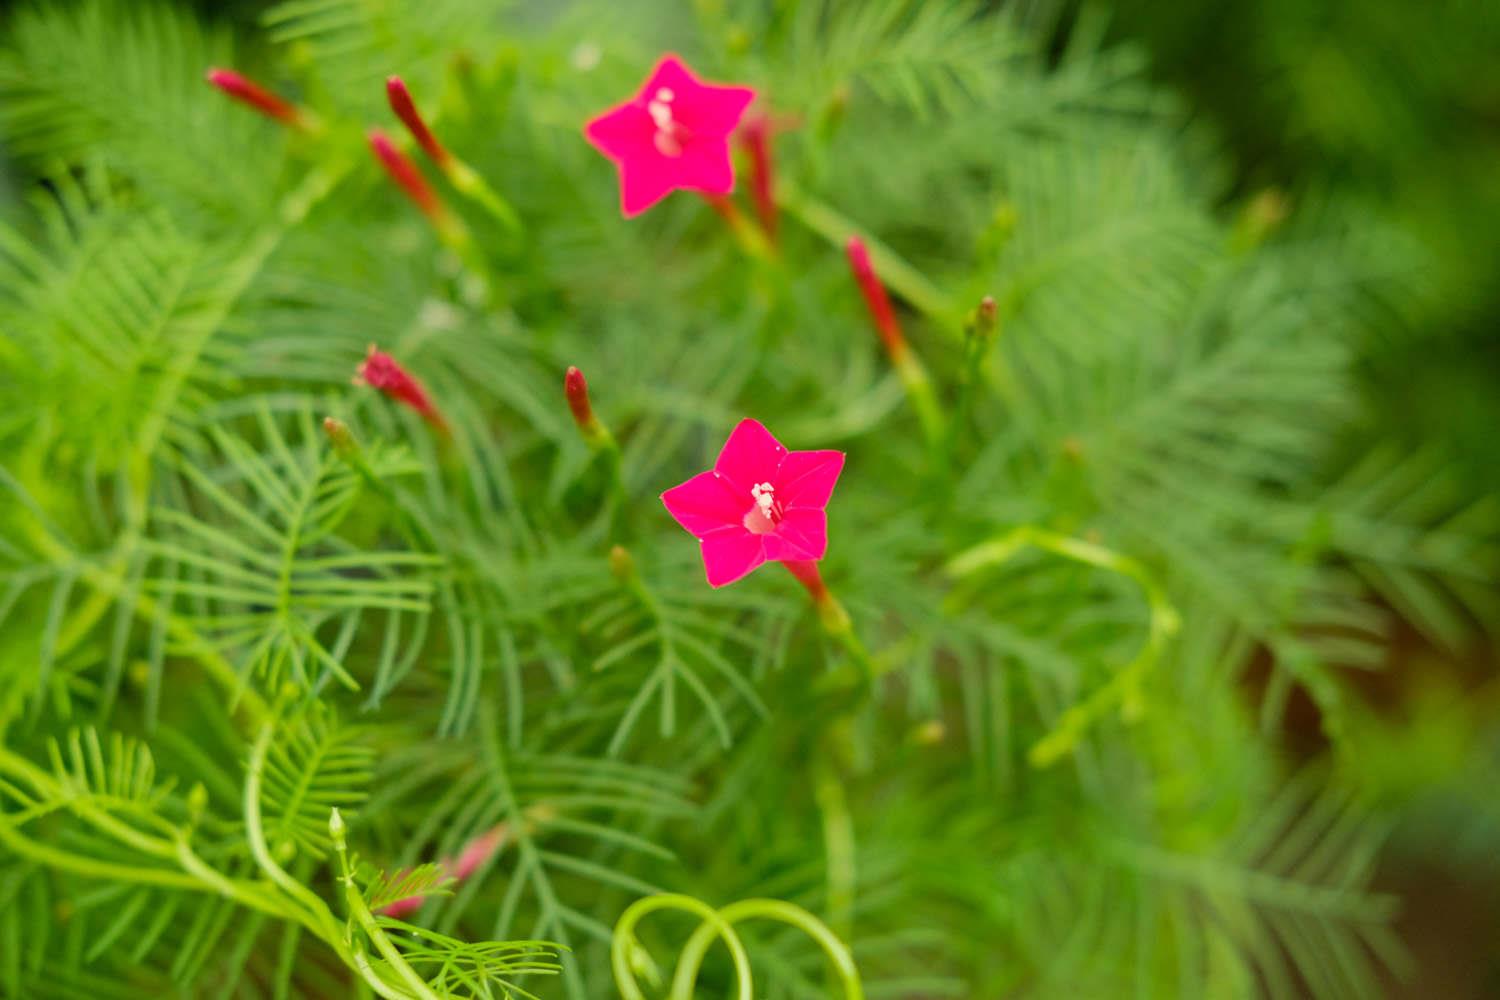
pixel 719 924
pixel 1125 687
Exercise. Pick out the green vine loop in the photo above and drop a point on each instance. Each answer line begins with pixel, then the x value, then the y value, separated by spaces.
pixel 767 909
pixel 626 953
pixel 1125 687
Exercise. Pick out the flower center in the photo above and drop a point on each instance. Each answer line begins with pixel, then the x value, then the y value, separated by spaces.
pixel 670 133
pixel 761 519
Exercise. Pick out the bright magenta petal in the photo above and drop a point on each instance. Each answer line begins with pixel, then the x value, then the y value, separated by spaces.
pixel 643 183
pixel 806 478
pixel 705 166
pixel 706 503
pixel 672 73
pixel 716 110
pixel 729 555
pixel 750 456
pixel 620 133
pixel 802 534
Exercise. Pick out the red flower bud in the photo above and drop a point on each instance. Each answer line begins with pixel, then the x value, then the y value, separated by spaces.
pixel 401 104
pixel 406 175
pixel 875 298
pixel 381 371
pixel 985 318
pixel 576 388
pixel 338 435
pixel 253 94
pixel 756 137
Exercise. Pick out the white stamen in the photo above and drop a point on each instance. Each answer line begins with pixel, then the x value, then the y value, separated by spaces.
pixel 762 518
pixel 669 134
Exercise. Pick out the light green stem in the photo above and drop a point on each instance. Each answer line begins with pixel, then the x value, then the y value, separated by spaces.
pixel 895 272
pixel 317 911
pixel 838 844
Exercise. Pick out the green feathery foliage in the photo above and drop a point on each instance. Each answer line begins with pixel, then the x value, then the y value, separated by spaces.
pixel 474 670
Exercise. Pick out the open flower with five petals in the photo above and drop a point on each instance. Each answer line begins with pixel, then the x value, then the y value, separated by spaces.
pixel 759 503
pixel 673 134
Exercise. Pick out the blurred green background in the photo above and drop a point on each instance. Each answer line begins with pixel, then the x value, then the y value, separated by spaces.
pixel 1389 111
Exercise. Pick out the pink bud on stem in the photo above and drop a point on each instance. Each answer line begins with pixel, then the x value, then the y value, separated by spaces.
pixel 252 94
pixel 406 110
pixel 407 176
pixel 399 167
pixel 912 374
pixel 576 388
pixel 463 177
pixel 879 303
pixel 383 372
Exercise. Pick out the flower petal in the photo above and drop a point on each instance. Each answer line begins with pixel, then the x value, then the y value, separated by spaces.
pixel 644 181
pixel 729 555
pixel 705 108
pixel 806 478
pixel 716 110
pixel 801 534
pixel 750 456
pixel 705 166
pixel 621 132
pixel 706 503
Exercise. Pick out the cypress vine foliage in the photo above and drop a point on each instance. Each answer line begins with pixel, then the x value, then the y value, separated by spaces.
pixel 411 687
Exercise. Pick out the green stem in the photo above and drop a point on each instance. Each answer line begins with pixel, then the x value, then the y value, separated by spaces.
pixel 905 280
pixel 317 911
pixel 382 942
pixel 838 844
pixel 468 182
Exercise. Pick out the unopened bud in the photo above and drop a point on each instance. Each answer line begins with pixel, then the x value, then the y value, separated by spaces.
pixel 876 299
pixel 406 110
pixel 339 436
pixel 984 319
pixel 576 388
pixel 406 175
pixel 621 564
pixel 253 95
pixel 336 826
pixel 381 371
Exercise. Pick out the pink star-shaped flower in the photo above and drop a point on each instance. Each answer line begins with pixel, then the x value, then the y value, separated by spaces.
pixel 758 503
pixel 672 135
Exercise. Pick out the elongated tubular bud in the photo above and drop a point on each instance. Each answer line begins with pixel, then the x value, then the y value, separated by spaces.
pixel 756 137
pixel 383 372
pixel 252 94
pixel 879 303
pixel 407 176
pixel 339 436
pixel 986 318
pixel 406 110
pixel 908 367
pixel 576 388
